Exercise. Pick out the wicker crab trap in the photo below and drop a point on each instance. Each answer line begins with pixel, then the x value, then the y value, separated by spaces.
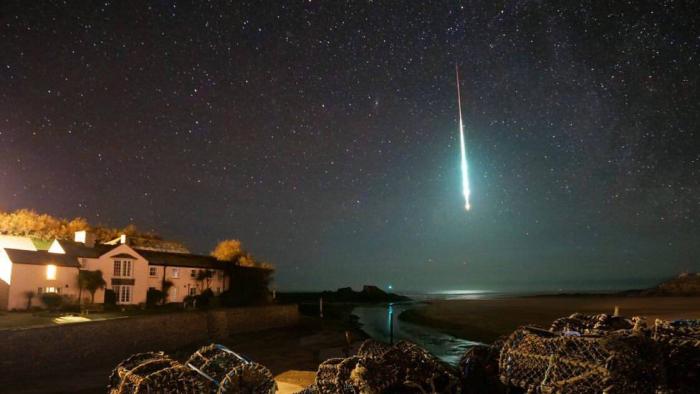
pixel 680 345
pixel 211 369
pixel 541 361
pixel 381 368
pixel 154 372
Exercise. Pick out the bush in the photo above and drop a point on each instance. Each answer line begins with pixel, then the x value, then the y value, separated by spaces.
pixel 52 300
pixel 247 286
pixel 188 301
pixel 110 298
pixel 203 300
pixel 153 297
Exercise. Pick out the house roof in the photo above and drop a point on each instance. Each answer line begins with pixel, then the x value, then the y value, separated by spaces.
pixel 42 257
pixel 80 250
pixel 180 259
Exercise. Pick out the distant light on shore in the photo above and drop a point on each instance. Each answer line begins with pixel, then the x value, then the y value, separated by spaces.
pixel 457 292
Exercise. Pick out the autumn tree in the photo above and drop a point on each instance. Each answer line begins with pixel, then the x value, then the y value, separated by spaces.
pixel 228 250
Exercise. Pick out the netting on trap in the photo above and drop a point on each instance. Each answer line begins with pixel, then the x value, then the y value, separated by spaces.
pixel 679 342
pixel 211 369
pixel 380 368
pixel 592 324
pixel 154 372
pixel 541 361
pixel 214 362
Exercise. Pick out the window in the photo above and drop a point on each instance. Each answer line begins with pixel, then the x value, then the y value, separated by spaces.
pixel 123 294
pixel 220 275
pixel 193 291
pixel 122 268
pixel 193 273
pixel 50 289
pixel 50 272
pixel 152 271
pixel 176 272
pixel 173 294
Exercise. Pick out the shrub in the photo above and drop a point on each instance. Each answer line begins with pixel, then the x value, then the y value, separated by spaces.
pixel 110 298
pixel 203 300
pixel 153 297
pixel 52 300
pixel 247 286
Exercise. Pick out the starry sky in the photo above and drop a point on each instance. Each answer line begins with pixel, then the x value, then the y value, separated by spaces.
pixel 324 134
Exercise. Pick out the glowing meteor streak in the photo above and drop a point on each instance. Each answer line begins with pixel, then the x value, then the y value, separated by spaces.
pixel 463 148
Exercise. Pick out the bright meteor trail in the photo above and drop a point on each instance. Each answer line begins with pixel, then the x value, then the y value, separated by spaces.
pixel 463 147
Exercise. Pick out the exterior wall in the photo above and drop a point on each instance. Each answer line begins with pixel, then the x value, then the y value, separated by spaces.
pixel 67 349
pixel 26 277
pixel 184 282
pixel 10 242
pixel 5 279
pixel 13 242
pixel 105 263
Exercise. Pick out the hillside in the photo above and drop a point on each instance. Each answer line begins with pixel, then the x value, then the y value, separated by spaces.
pixel 687 284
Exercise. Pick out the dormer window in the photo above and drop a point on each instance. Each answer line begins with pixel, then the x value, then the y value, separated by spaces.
pixel 122 268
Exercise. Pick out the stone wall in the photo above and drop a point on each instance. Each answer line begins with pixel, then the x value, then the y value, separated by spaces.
pixel 45 351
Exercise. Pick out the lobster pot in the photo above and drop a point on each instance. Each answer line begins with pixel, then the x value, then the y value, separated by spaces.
pixel 379 368
pixel 154 372
pixel 249 378
pixel 591 324
pixel 215 361
pixel 545 362
pixel 680 343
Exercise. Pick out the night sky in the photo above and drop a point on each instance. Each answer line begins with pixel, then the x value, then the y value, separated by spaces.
pixel 324 134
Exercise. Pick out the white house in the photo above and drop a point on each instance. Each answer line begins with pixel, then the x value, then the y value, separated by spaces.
pixel 128 271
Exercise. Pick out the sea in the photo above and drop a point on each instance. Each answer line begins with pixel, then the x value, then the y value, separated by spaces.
pixel 381 322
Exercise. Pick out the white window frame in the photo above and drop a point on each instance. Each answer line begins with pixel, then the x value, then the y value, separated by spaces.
pixel 193 273
pixel 124 293
pixel 176 273
pixel 152 271
pixel 123 268
pixel 193 291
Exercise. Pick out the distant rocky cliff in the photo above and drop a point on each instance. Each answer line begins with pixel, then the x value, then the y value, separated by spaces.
pixel 687 284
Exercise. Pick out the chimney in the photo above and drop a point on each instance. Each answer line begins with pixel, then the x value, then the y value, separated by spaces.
pixel 85 238
pixel 122 239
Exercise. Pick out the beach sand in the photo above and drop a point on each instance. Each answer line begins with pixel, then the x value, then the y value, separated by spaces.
pixel 486 320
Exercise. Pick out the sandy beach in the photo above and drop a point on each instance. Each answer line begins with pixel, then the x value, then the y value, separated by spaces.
pixel 486 320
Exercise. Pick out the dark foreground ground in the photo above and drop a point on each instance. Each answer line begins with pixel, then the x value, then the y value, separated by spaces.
pixel 284 351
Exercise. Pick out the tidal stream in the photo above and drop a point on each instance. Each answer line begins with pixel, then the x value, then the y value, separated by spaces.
pixel 377 321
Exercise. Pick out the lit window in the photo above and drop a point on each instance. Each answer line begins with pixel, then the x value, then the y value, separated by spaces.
pixel 50 272
pixel 152 271
pixel 52 290
pixel 176 272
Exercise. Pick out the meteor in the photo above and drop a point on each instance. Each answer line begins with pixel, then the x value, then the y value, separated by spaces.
pixel 463 148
